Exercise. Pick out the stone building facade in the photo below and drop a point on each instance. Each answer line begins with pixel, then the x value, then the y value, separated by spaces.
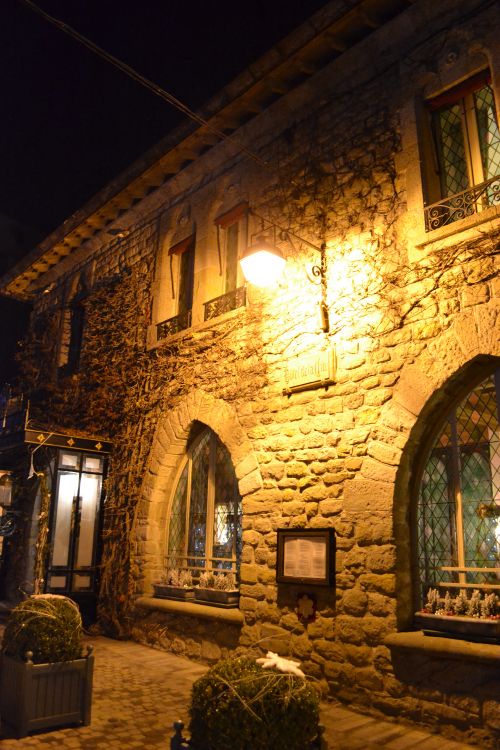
pixel 144 331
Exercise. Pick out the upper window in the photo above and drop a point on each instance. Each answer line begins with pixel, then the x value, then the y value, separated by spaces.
pixel 231 240
pixel 73 326
pixel 463 172
pixel 459 498
pixel 181 269
pixel 204 530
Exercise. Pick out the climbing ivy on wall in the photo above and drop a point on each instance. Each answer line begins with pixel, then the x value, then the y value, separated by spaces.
pixel 120 392
pixel 329 188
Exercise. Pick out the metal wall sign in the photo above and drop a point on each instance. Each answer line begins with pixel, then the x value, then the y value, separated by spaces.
pixel 309 372
pixel 306 556
pixel 37 436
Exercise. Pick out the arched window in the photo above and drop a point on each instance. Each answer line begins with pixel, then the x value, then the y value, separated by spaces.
pixel 204 530
pixel 459 498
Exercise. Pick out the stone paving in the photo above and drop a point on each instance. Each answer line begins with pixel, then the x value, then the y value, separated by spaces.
pixel 139 692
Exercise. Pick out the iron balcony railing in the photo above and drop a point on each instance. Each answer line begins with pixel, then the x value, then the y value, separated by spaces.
pixel 225 303
pixel 459 206
pixel 173 325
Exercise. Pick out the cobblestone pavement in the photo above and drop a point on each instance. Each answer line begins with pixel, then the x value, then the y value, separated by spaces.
pixel 139 692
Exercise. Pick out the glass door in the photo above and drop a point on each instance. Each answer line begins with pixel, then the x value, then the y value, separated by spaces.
pixel 75 528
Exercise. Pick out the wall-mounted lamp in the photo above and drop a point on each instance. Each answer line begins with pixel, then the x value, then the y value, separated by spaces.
pixel 263 263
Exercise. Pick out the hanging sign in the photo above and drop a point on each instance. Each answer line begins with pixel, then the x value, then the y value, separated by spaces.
pixel 309 372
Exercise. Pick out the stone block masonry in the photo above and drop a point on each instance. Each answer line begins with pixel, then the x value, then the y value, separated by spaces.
pixel 408 317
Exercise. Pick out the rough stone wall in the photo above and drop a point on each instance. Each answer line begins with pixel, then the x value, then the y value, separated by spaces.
pixel 339 457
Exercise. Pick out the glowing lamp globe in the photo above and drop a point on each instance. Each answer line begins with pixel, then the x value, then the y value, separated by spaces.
pixel 262 264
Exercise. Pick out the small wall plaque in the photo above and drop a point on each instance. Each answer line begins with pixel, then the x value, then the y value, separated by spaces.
pixel 314 371
pixel 306 556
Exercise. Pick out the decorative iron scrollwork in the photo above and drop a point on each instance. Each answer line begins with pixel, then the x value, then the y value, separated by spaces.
pixel 459 206
pixel 225 303
pixel 173 325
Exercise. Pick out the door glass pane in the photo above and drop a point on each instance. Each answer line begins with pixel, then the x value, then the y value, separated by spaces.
pixel 93 463
pixel 57 582
pixel 67 490
pixel 90 492
pixel 81 583
pixel 69 460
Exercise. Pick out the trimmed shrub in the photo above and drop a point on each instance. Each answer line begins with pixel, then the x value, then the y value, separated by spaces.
pixel 238 705
pixel 48 625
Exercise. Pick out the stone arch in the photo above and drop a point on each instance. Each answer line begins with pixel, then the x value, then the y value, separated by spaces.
pixel 383 490
pixel 169 445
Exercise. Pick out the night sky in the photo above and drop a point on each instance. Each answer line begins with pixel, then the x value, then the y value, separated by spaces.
pixel 70 121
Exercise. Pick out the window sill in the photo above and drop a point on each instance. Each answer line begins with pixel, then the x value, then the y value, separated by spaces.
pixel 467 227
pixel 194 329
pixel 444 648
pixel 191 609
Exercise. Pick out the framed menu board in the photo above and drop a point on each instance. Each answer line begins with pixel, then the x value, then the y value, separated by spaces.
pixel 306 556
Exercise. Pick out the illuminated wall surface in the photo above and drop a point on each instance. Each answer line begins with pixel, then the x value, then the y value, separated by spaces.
pixel 234 412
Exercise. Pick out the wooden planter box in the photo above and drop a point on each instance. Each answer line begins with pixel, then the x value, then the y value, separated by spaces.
pixel 45 696
pixel 165 591
pixel 455 626
pixel 217 597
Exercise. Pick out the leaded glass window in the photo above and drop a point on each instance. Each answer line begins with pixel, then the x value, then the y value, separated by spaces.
pixel 204 530
pixel 465 176
pixel 467 139
pixel 459 497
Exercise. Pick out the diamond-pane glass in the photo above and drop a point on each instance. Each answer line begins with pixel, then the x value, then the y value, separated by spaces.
pixel 459 499
pixel 454 176
pixel 479 532
pixel 227 510
pixel 177 525
pixel 489 133
pixel 198 500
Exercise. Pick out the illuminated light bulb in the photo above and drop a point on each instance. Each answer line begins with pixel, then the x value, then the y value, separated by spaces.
pixel 262 264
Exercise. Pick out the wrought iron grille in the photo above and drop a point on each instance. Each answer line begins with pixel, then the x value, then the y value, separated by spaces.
pixel 459 500
pixel 463 204
pixel 173 325
pixel 225 303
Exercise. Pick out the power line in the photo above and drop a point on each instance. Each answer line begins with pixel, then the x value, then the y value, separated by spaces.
pixel 139 78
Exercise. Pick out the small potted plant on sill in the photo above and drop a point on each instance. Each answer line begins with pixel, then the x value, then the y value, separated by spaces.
pixel 219 589
pixel 45 680
pixel 175 584
pixel 476 617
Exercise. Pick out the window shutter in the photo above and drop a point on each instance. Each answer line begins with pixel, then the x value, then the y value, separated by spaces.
pixel 232 216
pixel 182 246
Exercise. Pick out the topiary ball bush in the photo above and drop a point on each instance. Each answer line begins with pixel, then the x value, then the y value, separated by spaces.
pixel 238 705
pixel 48 625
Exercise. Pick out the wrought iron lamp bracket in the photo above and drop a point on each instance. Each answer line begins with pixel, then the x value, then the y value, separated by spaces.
pixel 317 273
